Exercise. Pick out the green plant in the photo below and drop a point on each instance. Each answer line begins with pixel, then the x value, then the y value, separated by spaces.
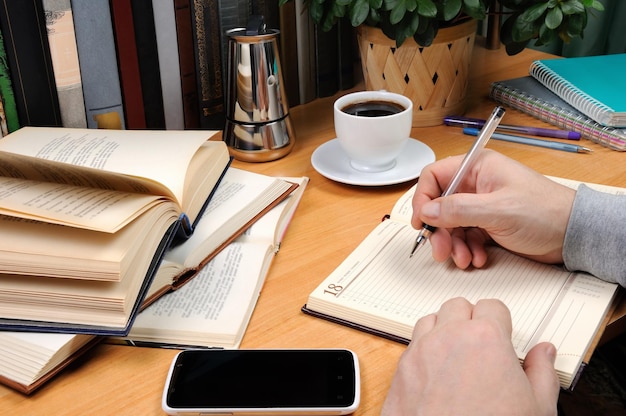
pixel 524 20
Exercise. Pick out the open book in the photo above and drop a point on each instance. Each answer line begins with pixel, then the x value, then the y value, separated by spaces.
pixel 213 309
pixel 379 289
pixel 85 216
pixel 241 199
pixel 29 359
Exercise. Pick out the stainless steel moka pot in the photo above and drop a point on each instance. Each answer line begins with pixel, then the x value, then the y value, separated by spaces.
pixel 257 127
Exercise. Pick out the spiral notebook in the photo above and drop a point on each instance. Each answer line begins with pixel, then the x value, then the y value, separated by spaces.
pixel 531 97
pixel 594 85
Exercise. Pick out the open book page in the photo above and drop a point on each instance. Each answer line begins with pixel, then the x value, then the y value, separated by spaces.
pixel 380 287
pixel 239 198
pixel 213 308
pixel 162 157
pixel 27 357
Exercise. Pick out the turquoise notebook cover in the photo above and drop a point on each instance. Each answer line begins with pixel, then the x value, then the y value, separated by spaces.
pixel 595 85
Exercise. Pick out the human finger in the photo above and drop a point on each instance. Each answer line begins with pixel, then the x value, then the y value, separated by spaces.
pixel 424 325
pixel 454 309
pixel 539 369
pixel 494 309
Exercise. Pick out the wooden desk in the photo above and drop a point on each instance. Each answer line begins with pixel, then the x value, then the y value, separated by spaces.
pixel 330 221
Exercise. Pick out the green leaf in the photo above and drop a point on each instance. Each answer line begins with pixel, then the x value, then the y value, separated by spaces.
pixel 359 12
pixel 397 13
pixel 376 4
pixel 554 18
pixel 410 5
pixel 451 9
pixel 533 13
pixel 474 8
pixel 572 7
pixel 426 8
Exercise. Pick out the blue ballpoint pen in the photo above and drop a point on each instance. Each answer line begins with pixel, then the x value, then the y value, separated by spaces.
pixel 549 144
pixel 482 139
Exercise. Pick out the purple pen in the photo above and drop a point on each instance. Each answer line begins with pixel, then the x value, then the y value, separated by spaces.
pixel 478 123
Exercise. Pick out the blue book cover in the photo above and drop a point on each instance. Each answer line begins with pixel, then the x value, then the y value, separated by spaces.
pixel 594 85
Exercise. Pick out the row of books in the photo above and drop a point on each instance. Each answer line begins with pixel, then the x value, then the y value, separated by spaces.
pixel 149 64
pixel 581 94
pixel 140 235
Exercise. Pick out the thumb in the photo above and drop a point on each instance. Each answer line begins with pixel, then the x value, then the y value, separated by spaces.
pixel 539 368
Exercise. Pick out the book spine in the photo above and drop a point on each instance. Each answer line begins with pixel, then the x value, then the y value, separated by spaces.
pixel 305 38
pixel 207 51
pixel 191 110
pixel 130 79
pixel 559 116
pixel 167 45
pixel 62 40
pixel 289 52
pixel 6 91
pixel 570 94
pixel 98 64
pixel 28 54
pixel 149 67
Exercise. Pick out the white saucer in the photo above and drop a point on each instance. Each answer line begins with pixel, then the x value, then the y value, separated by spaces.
pixel 331 161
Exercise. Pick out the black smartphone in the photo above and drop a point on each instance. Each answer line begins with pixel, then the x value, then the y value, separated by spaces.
pixel 237 382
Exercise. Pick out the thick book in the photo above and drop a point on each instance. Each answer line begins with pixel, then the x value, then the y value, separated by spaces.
pixel 187 62
pixel 213 309
pixel 27 49
pixel 594 85
pixel 379 288
pixel 29 360
pixel 86 216
pixel 531 97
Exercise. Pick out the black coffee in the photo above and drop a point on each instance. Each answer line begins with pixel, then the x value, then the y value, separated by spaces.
pixel 373 108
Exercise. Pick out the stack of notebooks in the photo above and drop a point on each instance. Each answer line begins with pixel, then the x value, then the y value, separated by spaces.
pixel 582 94
pixel 100 225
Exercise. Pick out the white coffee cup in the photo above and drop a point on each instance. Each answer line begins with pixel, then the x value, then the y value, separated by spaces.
pixel 373 142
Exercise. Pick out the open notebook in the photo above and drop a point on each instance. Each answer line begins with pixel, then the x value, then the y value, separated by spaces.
pixel 380 289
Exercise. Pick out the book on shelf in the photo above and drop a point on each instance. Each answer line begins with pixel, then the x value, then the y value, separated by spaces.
pixel 64 54
pixel 594 85
pixel 187 62
pixel 169 64
pixel 149 66
pixel 27 49
pixel 28 360
pixel 528 95
pixel 86 215
pixel 97 59
pixel 207 42
pixel 128 62
pixel 213 309
pixel 378 288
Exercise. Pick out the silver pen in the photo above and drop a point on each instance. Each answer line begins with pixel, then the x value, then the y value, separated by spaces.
pixel 482 139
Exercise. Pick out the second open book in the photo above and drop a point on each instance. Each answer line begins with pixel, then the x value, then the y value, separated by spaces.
pixel 380 289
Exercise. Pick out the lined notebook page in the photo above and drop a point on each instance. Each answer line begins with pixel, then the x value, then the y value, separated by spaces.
pixel 380 287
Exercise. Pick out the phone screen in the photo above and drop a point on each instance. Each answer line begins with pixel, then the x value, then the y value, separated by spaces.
pixel 263 379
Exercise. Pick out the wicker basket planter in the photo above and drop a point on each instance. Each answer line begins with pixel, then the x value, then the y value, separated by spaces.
pixel 435 78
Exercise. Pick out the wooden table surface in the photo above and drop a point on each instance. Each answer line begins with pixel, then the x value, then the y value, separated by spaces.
pixel 330 221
